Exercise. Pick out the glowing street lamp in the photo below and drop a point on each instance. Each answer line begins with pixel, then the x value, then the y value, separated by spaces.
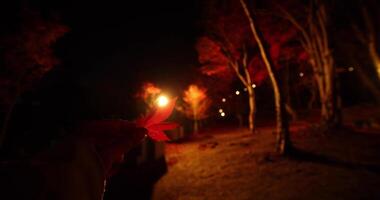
pixel 254 85
pixel 222 114
pixel 220 110
pixel 237 92
pixel 224 100
pixel 162 101
pixel 301 74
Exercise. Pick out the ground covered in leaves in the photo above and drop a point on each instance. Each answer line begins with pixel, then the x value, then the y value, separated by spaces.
pixel 342 164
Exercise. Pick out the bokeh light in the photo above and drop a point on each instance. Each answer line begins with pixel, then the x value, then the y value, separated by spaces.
pixel 162 101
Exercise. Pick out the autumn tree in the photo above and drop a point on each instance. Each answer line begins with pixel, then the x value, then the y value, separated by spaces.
pixel 149 93
pixel 196 104
pixel 228 47
pixel 27 55
pixel 283 139
pixel 315 41
pixel 368 38
pixel 224 49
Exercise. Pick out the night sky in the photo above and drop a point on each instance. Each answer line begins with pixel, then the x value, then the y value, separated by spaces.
pixel 145 39
pixel 111 49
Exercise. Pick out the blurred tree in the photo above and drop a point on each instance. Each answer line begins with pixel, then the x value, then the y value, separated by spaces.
pixel 224 51
pixel 219 60
pixel 315 41
pixel 283 141
pixel 229 49
pixel 196 104
pixel 28 55
pixel 368 38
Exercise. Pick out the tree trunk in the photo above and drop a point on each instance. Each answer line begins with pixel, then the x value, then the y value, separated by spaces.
pixel 283 140
pixel 252 109
pixel 375 58
pixel 326 109
pixel 369 38
pixel 195 123
pixel 286 89
pixel 330 109
pixel 195 126
pixel 316 44
pixel 247 82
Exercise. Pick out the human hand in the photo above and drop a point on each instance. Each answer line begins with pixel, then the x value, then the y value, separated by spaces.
pixel 112 139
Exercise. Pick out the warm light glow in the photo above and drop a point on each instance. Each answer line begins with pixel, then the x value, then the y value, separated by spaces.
pixel 254 85
pixel 195 94
pixel 220 110
pixel 162 101
pixel 224 100
pixel 245 89
pixel 149 89
pixel 222 114
pixel 350 69
pixel 196 102
pixel 301 74
pixel 237 92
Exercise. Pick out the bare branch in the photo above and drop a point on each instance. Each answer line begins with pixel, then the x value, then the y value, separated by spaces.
pixel 235 67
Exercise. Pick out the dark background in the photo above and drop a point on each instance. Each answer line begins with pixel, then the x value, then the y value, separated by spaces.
pixel 111 49
pixel 116 45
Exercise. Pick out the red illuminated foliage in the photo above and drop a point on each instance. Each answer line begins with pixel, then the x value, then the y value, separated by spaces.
pixel 154 122
pixel 149 93
pixel 229 48
pixel 148 90
pixel 196 104
pixel 227 37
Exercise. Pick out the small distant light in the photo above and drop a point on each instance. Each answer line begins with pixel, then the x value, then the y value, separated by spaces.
pixel 220 110
pixel 301 74
pixel 254 85
pixel 237 92
pixel 222 114
pixel 224 100
pixel 245 89
pixel 351 69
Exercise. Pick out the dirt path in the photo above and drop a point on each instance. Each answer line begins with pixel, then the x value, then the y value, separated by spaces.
pixel 236 165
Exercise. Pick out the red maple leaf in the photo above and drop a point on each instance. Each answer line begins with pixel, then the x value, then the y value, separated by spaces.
pixel 154 122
